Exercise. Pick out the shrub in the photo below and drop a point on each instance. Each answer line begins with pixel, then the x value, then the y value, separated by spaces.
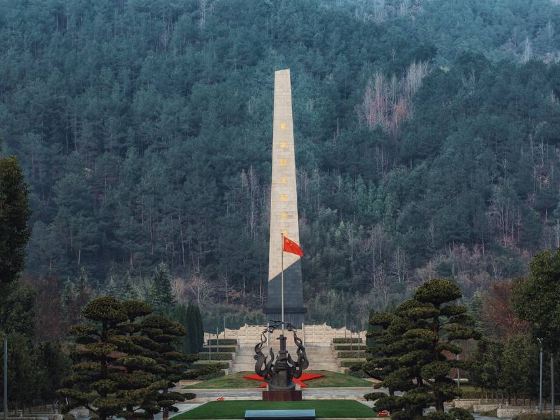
pixel 222 349
pixel 342 340
pixel 217 364
pixel 460 414
pixel 351 363
pixel 189 396
pixel 374 396
pixel 215 356
pixel 224 341
pixel 439 416
pixel 357 371
pixel 351 347
pixel 351 354
pixel 204 372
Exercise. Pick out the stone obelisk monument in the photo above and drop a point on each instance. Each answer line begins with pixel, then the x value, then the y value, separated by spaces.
pixel 284 210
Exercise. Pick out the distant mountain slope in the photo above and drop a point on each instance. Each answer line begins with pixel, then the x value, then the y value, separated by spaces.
pixel 144 131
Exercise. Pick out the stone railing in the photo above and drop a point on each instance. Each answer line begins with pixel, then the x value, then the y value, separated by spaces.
pixel 320 335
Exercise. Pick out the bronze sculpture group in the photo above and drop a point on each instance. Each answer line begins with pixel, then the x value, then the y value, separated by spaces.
pixel 278 371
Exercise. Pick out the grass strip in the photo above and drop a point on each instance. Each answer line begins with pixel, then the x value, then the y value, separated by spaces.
pixel 236 409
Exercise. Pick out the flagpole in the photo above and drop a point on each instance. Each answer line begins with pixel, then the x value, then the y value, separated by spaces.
pixel 282 281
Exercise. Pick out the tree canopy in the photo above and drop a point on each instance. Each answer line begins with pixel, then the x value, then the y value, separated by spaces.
pixel 419 342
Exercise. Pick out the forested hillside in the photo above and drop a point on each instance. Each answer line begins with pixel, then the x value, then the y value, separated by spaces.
pixel 426 132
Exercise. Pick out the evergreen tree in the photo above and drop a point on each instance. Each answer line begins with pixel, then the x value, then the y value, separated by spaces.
pixel 14 215
pixel 54 366
pixel 161 295
pixel 124 360
pixel 486 367
pixel 94 382
pixel 171 364
pixel 191 319
pixel 22 366
pixel 180 314
pixel 17 316
pixel 537 298
pixel 380 361
pixel 430 324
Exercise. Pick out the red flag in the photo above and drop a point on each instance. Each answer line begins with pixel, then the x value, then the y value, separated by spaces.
pixel 291 247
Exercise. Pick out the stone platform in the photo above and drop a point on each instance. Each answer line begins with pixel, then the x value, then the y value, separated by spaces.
pixel 287 395
pixel 317 340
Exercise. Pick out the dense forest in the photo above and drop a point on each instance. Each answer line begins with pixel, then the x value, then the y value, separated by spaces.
pixel 426 132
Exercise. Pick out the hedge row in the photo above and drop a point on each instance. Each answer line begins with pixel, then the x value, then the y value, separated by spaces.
pixel 352 347
pixel 342 340
pixel 351 354
pixel 222 349
pixel 215 356
pixel 204 372
pixel 219 365
pixel 224 341
pixel 351 363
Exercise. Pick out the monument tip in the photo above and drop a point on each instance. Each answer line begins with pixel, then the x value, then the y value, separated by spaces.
pixel 282 71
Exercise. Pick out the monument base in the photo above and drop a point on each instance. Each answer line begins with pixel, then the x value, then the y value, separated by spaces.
pixel 282 395
pixel 292 315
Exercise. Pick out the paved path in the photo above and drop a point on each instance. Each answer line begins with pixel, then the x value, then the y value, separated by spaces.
pixel 342 393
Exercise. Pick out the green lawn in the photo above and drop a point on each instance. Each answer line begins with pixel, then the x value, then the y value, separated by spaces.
pixel 236 380
pixel 236 409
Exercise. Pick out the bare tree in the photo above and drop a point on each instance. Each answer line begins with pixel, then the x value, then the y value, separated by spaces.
pixel 179 289
pixel 399 265
pixel 200 289
pixel 203 9
pixel 388 103
pixel 527 51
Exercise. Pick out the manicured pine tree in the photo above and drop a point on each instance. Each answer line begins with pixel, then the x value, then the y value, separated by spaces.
pixel 124 361
pixel 140 384
pixel 429 323
pixel 170 363
pixel 95 379
pixel 380 360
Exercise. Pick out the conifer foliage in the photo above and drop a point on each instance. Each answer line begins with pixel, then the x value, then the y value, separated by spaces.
pixel 191 318
pixel 14 214
pixel 413 350
pixel 161 295
pixel 124 360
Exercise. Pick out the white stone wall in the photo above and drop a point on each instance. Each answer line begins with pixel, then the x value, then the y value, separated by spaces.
pixel 319 335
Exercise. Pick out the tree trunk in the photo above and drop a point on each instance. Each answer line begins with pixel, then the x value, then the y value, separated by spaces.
pixel 439 405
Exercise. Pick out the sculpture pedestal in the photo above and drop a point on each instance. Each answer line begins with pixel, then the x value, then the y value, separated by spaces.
pixel 281 395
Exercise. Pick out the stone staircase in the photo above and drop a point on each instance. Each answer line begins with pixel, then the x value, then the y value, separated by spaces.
pixel 318 341
pixel 320 358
